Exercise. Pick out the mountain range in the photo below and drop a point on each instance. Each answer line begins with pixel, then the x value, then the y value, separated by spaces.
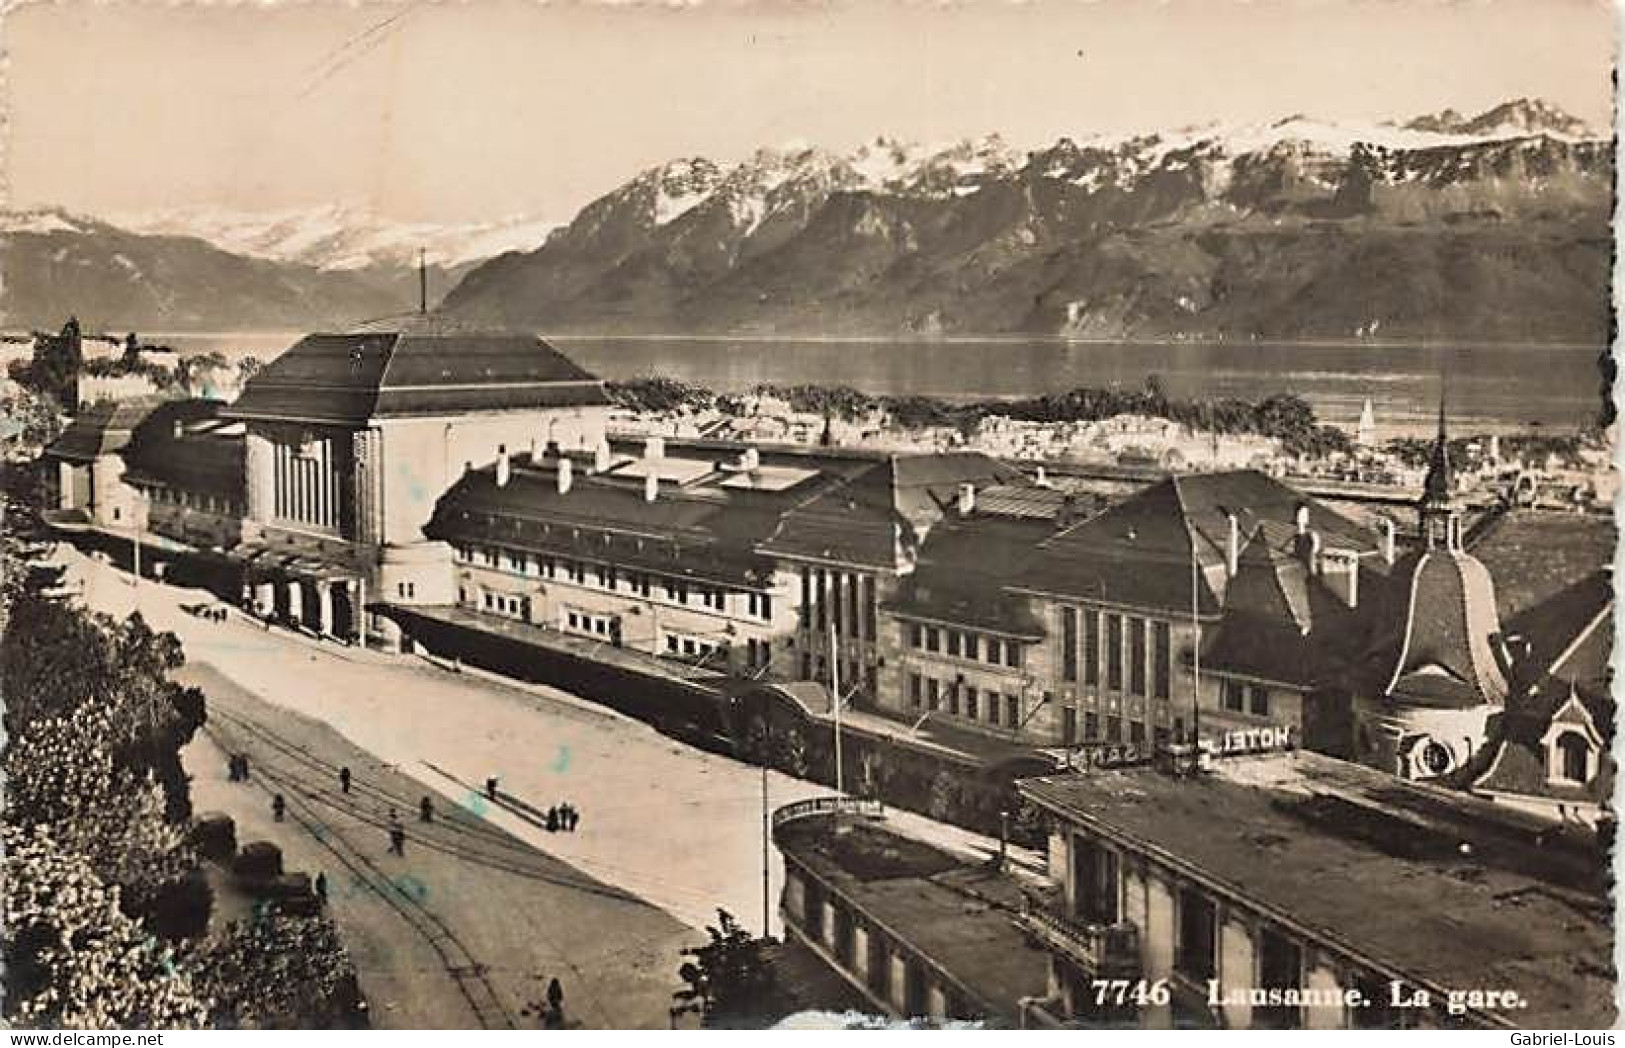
pixel 1445 226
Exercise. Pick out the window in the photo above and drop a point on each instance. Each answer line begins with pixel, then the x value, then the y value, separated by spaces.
pixel 1193 954
pixel 953 642
pixel 1136 656
pixel 1161 660
pixel 914 689
pixel 1136 733
pixel 933 642
pixel 822 600
pixel 1069 644
pixel 970 702
pixel 995 650
pixel 1012 654
pixel 1114 652
pixel 993 708
pixel 953 700
pixel 713 598
pixel 1231 694
pixel 973 645
pixel 605 575
pixel 868 606
pixel 806 596
pixel 1114 729
pixel 760 605
pixel 1280 967
pixel 1258 700
pixel 916 635
pixel 1091 726
pixel 930 693
pixel 1574 756
pixel 1095 880
pixel 1012 711
pixel 1091 646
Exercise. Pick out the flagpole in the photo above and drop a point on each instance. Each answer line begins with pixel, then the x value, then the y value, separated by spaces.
pixel 835 699
pixel 1196 657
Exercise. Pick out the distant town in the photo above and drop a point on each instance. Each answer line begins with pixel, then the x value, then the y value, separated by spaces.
pixel 1096 709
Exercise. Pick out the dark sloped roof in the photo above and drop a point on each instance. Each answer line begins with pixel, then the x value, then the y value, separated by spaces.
pixel 961 571
pixel 1282 623
pixel 413 370
pixel 1550 571
pixel 207 458
pixel 1450 653
pixel 896 500
pixel 1139 551
pixel 101 429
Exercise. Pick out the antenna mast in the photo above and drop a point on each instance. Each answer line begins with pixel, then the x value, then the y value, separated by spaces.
pixel 423 281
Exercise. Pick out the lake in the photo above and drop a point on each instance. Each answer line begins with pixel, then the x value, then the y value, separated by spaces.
pixel 1492 388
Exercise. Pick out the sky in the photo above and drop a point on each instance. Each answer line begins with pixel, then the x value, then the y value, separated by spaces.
pixel 487 109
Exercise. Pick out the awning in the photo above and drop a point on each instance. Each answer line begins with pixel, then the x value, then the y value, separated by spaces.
pixel 263 563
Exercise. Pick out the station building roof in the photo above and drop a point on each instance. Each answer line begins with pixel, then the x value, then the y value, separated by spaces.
pixel 1415 882
pixel 414 366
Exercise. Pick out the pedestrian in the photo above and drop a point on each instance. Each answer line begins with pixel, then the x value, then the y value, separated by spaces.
pixel 555 996
pixel 564 816
pixel 321 886
pixel 344 779
pixel 552 820
pixel 426 810
pixel 575 818
pixel 231 769
pixel 242 765
pixel 278 806
pixel 397 839
pixel 491 787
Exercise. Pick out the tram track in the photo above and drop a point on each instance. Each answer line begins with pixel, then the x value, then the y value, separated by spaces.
pixel 467 972
pixel 360 787
pixel 423 834
pixel 480 994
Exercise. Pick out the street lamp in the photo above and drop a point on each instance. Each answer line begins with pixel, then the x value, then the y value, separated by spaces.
pixel 1004 834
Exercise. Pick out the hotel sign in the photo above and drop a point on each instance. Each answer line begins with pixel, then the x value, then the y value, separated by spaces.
pixel 1243 741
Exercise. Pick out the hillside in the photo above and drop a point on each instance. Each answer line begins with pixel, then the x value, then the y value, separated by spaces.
pixel 1493 226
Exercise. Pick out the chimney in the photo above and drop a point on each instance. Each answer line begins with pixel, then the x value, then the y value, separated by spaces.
pixel 600 456
pixel 1040 479
pixel 502 465
pixel 1068 514
pixel 178 430
pixel 1302 518
pixel 1232 549
pixel 566 475
pixel 1307 546
pixel 654 448
pixel 1388 545
pixel 651 487
pixel 1342 575
pixel 535 450
pixel 967 499
pixel 750 460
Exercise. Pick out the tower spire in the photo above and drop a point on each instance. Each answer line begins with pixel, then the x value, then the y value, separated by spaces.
pixel 1440 521
pixel 423 288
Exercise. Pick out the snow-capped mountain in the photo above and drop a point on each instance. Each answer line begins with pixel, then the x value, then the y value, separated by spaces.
pixel 338 236
pixel 56 263
pixel 1493 225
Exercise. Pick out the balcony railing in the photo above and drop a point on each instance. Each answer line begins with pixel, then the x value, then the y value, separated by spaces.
pixel 1106 951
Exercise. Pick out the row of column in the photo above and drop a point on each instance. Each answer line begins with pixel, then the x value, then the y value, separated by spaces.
pixel 329 603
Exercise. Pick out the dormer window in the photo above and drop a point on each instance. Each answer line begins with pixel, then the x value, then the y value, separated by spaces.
pixel 1571 759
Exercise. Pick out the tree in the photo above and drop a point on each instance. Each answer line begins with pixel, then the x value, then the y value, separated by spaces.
pixel 74 959
pixel 727 978
pixel 279 971
pixel 247 368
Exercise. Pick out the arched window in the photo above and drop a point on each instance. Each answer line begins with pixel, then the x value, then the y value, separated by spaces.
pixel 1573 756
